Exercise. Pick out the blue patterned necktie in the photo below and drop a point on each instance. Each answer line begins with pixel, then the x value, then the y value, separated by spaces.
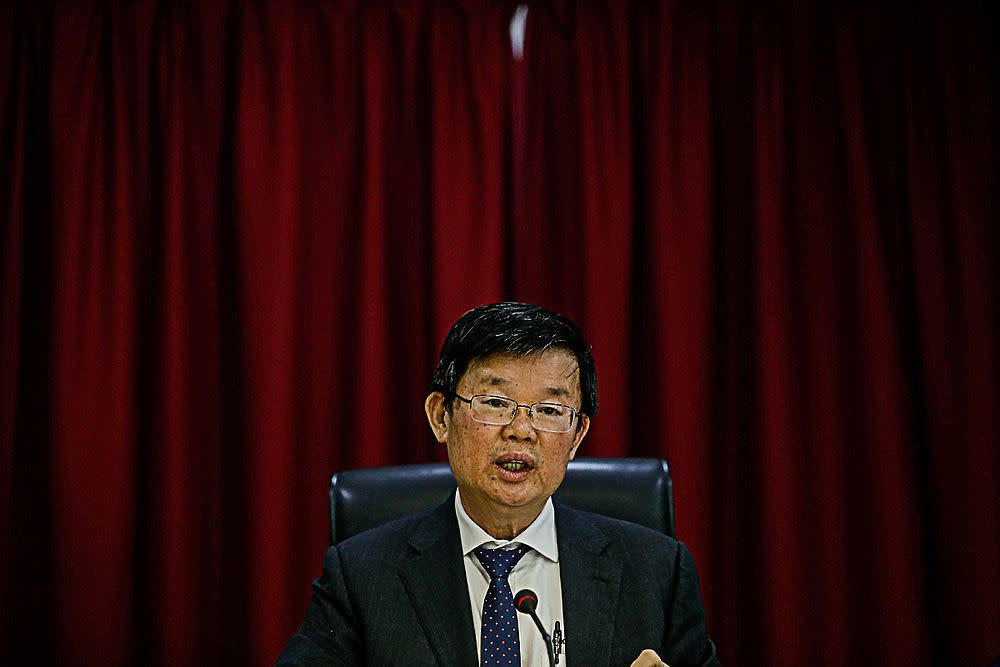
pixel 501 644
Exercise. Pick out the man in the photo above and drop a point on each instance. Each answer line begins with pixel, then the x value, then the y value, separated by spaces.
pixel 512 398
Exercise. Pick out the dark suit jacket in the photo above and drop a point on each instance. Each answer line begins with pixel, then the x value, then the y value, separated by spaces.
pixel 397 595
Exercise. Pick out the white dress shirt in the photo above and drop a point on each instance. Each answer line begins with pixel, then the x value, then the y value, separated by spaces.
pixel 538 570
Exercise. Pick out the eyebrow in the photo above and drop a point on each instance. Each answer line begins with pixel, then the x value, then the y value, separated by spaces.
pixel 497 381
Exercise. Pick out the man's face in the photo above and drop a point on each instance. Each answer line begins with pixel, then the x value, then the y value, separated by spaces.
pixel 481 455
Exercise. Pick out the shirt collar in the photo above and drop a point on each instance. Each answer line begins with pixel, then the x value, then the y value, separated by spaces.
pixel 540 535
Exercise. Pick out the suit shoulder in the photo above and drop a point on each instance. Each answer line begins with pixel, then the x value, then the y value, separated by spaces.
pixel 392 532
pixel 391 539
pixel 629 534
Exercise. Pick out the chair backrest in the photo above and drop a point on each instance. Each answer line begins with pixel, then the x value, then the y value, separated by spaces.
pixel 636 490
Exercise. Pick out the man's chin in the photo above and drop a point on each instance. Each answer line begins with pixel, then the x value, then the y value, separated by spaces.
pixel 520 497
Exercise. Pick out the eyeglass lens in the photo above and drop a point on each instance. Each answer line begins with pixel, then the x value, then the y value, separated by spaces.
pixel 500 411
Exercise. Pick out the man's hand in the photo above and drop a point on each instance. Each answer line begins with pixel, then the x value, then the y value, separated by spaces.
pixel 648 658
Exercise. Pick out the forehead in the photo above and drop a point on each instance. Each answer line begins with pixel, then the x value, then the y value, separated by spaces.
pixel 549 373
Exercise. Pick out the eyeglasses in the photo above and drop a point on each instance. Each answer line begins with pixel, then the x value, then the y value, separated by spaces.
pixel 500 411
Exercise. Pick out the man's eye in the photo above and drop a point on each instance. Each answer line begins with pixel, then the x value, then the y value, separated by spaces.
pixel 496 403
pixel 549 410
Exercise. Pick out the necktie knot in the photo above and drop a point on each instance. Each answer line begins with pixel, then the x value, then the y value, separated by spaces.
pixel 499 562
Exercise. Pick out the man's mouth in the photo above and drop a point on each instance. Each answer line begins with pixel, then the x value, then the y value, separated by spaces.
pixel 515 466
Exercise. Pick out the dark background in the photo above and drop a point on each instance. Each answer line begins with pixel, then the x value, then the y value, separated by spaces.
pixel 234 233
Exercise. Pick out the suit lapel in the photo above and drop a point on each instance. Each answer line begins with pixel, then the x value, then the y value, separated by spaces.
pixel 434 577
pixel 591 578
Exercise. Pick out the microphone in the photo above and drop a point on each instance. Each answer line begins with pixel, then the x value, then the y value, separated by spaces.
pixel 526 602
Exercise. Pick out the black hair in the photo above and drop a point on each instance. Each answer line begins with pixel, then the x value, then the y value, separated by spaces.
pixel 515 328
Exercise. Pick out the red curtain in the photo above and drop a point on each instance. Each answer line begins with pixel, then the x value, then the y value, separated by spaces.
pixel 234 234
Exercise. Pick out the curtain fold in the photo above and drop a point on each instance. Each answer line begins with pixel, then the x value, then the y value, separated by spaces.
pixel 234 234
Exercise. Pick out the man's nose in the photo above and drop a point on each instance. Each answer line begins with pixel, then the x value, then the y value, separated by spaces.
pixel 520 428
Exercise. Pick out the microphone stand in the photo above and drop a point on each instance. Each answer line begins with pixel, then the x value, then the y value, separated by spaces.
pixel 525 602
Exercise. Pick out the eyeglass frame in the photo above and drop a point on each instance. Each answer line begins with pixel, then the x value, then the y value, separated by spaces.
pixel 518 406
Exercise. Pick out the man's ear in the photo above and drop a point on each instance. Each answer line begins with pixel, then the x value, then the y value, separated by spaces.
pixel 581 432
pixel 437 415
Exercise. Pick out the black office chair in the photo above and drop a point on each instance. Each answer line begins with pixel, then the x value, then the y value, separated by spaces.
pixel 636 490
